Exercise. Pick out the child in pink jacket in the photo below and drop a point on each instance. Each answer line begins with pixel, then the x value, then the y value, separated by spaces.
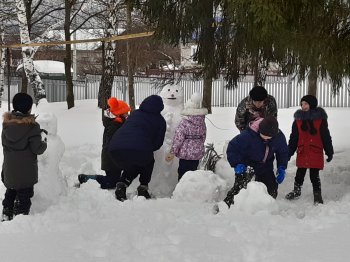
pixel 189 138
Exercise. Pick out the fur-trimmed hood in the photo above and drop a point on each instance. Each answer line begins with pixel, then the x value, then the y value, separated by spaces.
pixel 194 112
pixel 18 118
pixel 312 114
pixel 17 125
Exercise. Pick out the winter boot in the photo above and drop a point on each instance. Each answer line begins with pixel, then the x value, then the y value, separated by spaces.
pixel 106 182
pixel 142 190
pixel 295 193
pixel 120 191
pixel 22 207
pixel 84 178
pixel 7 214
pixel 318 197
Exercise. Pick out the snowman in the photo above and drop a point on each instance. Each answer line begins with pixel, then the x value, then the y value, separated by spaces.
pixel 164 176
pixel 51 183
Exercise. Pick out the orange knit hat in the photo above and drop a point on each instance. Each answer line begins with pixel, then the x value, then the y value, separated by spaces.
pixel 118 107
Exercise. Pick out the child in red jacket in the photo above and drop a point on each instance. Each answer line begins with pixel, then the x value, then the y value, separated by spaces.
pixel 310 136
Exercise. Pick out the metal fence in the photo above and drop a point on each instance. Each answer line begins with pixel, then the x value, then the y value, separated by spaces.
pixel 286 90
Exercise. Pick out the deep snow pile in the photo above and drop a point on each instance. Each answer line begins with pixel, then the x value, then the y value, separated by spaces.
pixel 88 224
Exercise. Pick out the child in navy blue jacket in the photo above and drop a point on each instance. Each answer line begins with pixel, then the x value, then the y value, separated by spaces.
pixel 258 149
pixel 133 145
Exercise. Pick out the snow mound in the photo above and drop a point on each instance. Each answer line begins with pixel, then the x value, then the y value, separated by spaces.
pixel 225 171
pixel 255 199
pixel 200 186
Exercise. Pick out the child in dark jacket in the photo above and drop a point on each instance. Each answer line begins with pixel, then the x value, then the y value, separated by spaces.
pixel 258 149
pixel 113 118
pixel 189 138
pixel 310 136
pixel 22 142
pixel 133 145
pixel 258 104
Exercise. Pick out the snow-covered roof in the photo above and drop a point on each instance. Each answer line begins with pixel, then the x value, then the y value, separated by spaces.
pixel 47 67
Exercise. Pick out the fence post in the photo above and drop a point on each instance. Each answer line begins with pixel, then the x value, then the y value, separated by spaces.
pixel 222 92
pixel 124 89
pixel 289 91
pixel 86 80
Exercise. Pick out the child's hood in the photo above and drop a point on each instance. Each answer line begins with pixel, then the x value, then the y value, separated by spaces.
pixel 16 126
pixel 152 104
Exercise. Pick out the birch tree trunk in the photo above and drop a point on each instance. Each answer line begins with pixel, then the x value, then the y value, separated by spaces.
pixel 109 56
pixel 33 77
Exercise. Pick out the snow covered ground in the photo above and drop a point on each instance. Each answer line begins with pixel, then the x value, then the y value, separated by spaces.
pixel 88 224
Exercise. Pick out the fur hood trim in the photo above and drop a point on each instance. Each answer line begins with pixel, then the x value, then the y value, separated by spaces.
pixel 194 112
pixel 18 118
pixel 312 114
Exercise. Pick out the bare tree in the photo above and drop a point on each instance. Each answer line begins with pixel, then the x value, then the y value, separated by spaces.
pixel 109 57
pixel 28 65
pixel 130 60
pixel 68 58
pixel 77 15
pixel 2 54
pixel 32 16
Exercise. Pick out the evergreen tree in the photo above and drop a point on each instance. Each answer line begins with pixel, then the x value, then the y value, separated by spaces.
pixel 308 38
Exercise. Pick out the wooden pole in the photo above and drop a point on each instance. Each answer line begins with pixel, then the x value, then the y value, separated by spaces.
pixel 107 39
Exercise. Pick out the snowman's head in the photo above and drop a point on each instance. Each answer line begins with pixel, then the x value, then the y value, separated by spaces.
pixel 172 95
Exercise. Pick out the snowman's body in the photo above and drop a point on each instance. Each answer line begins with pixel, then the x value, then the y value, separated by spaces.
pixel 164 176
pixel 51 183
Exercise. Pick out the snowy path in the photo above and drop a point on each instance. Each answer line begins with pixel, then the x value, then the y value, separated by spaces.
pixel 90 225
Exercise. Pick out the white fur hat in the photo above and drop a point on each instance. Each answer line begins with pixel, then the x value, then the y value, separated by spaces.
pixel 193 105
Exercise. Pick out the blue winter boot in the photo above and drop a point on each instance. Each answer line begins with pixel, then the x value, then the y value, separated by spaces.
pixel 84 178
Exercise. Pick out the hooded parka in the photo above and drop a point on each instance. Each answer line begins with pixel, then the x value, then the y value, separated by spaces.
pixel 310 136
pixel 21 142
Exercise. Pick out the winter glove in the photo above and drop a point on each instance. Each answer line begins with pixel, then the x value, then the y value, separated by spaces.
pixel 44 135
pixel 169 157
pixel 107 113
pixel 240 169
pixel 329 158
pixel 281 173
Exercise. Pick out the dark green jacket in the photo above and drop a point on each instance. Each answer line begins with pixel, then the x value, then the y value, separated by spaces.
pixel 21 142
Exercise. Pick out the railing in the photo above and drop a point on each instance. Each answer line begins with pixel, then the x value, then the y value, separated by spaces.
pixel 286 90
